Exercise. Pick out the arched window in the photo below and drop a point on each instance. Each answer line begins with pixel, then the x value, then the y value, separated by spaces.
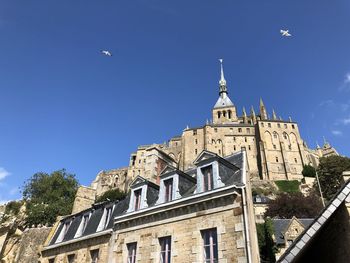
pixel 219 114
pixel 229 114
pixel 276 159
pixel 275 135
pixel 224 113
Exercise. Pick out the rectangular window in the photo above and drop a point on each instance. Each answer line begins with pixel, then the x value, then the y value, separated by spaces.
pixel 94 256
pixel 137 199
pixel 234 147
pixel 131 252
pixel 215 129
pixel 245 139
pixel 165 249
pixel 285 125
pixel 262 124
pixel 208 178
pixel 194 132
pixel 269 125
pixel 274 146
pixel 51 260
pixel 195 151
pixel 278 125
pixel 210 246
pixel 239 129
pixel 70 258
pixel 168 184
pixel 249 147
pixel 293 126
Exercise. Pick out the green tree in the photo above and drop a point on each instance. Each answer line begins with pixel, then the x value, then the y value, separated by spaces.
pixel 48 196
pixel 111 195
pixel 330 172
pixel 267 247
pixel 287 205
pixel 309 171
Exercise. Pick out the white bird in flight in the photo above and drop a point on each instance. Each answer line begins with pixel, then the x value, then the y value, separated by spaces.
pixel 285 33
pixel 106 52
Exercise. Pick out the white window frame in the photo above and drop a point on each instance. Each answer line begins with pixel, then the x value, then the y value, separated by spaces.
pixel 216 177
pixel 143 202
pixel 82 226
pixel 105 218
pixel 64 230
pixel 175 190
pixel 210 258
pixel 131 247
pixel 166 253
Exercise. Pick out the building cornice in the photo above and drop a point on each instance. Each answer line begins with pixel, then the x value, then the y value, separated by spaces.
pixel 75 240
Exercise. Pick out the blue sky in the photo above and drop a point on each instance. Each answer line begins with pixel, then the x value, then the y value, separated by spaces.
pixel 64 105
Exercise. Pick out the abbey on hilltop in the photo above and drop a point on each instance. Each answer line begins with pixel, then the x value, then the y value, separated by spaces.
pixel 275 149
pixel 189 200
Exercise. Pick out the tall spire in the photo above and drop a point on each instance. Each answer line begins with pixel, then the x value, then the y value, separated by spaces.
pixel 222 81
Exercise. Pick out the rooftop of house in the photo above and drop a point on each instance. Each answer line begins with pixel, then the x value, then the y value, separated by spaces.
pixel 74 227
pixel 281 226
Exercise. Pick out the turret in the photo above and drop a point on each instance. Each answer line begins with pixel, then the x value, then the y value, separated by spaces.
pixel 274 116
pixel 263 113
pixel 252 113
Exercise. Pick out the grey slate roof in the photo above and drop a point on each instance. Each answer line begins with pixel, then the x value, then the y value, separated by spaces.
pixel 280 226
pixel 223 101
pixel 95 218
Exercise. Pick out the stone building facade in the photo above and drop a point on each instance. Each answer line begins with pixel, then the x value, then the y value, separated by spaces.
pixel 203 214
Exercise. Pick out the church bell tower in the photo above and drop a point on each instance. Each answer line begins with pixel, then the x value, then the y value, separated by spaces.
pixel 224 110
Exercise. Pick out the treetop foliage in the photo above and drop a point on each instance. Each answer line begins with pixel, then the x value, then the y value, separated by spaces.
pixel 287 205
pixel 48 196
pixel 309 171
pixel 330 172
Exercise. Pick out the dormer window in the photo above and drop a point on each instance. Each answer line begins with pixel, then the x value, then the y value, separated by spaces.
pixel 208 178
pixel 64 230
pixel 108 216
pixel 137 203
pixel 84 221
pixel 168 184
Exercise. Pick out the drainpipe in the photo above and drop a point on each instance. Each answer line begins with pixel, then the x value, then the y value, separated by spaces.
pixel 244 179
pixel 111 247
